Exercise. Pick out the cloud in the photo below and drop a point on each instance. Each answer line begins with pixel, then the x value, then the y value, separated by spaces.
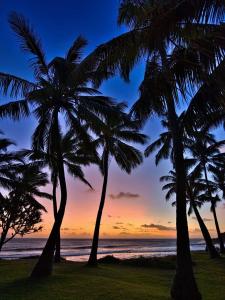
pixel 158 227
pixel 120 227
pixel 119 223
pixel 110 216
pixel 65 229
pixel 124 233
pixel 204 219
pixel 169 222
pixel 116 227
pixel 123 195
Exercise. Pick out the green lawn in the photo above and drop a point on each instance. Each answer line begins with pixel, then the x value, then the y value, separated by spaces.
pixel 77 282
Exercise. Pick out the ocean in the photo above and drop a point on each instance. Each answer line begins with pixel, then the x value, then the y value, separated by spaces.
pixel 79 249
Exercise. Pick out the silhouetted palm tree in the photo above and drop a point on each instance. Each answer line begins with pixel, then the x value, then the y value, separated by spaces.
pixel 25 182
pixel 113 133
pixel 205 152
pixel 218 177
pixel 168 32
pixel 26 179
pixel 7 158
pixel 195 196
pixel 75 154
pixel 61 89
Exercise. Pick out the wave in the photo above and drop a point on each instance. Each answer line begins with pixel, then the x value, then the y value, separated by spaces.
pixel 81 248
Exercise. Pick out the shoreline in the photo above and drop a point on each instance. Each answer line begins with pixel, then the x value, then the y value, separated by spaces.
pixel 138 257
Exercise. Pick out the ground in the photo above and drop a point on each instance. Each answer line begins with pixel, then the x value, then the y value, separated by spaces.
pixel 75 281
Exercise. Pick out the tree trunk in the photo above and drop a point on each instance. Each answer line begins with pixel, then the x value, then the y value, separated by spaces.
pixel 220 239
pixel 184 285
pixel 57 258
pixel 44 265
pixel 94 249
pixel 3 237
pixel 209 243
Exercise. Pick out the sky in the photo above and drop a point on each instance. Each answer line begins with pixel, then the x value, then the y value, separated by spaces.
pixel 135 205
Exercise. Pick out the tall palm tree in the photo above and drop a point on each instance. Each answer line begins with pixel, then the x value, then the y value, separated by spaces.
pixel 195 197
pixel 156 28
pixel 60 91
pixel 75 154
pixel 113 134
pixel 205 151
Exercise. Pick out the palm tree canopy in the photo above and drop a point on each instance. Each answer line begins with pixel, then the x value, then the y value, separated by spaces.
pixel 26 180
pixel 61 86
pixel 75 153
pixel 7 160
pixel 114 132
pixel 195 188
pixel 205 150
pixel 154 24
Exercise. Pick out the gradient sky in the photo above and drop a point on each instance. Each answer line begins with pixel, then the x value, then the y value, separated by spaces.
pixel 135 205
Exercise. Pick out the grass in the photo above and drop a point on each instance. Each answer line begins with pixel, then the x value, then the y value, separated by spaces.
pixel 108 281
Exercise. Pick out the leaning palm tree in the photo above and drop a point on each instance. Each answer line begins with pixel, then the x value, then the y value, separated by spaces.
pixel 113 134
pixel 158 29
pixel 206 154
pixel 196 198
pixel 60 91
pixel 75 154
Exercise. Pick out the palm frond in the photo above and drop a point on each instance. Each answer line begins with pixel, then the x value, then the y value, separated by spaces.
pixel 15 86
pixel 74 54
pixel 29 42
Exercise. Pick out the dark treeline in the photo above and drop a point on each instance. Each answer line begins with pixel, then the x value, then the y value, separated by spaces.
pixel 183 45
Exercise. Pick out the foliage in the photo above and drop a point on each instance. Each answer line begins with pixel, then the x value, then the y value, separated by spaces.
pixel 19 217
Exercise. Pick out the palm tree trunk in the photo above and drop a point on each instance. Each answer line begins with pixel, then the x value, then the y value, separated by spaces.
pixel 220 239
pixel 54 201
pixel 44 265
pixel 94 249
pixel 184 285
pixel 209 243
pixel 2 239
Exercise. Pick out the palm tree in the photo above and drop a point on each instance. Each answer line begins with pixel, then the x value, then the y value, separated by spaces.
pixel 75 154
pixel 25 182
pixel 205 151
pixel 61 91
pixel 26 179
pixel 113 132
pixel 7 158
pixel 195 197
pixel 168 32
pixel 218 177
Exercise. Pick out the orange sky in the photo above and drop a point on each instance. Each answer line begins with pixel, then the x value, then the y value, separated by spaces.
pixel 135 214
